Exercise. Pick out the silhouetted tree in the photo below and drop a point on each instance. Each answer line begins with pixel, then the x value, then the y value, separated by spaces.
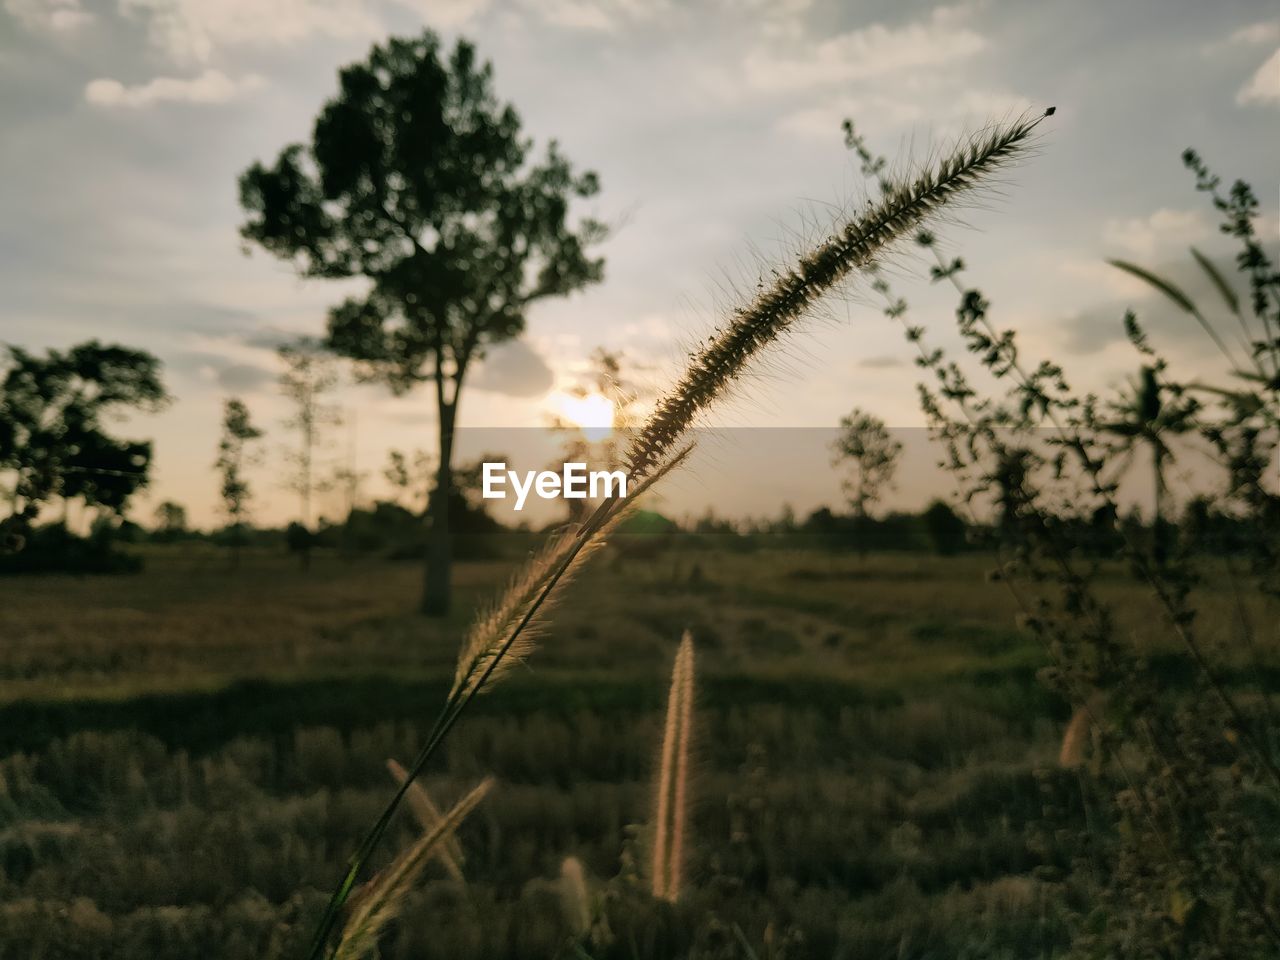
pixel 238 432
pixel 871 453
pixel 945 529
pixel 52 440
pixel 309 374
pixel 411 479
pixel 170 520
pixel 417 179
pixel 1149 414
pixel 614 413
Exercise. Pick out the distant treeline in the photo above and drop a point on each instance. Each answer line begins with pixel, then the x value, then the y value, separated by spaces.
pixel 389 530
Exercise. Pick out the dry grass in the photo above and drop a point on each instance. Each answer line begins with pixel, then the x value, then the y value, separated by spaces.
pixel 671 820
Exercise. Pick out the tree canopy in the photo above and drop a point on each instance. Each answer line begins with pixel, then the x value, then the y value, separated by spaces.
pixel 419 180
pixel 52 436
pixel 871 454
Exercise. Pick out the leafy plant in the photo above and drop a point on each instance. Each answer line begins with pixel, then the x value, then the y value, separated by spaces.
pixel 1179 784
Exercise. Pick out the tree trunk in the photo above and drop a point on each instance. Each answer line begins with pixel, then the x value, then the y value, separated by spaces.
pixel 439 558
pixel 304 557
pixel 1157 525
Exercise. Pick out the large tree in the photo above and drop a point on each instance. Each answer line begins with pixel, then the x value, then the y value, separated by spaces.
pixel 53 442
pixel 418 179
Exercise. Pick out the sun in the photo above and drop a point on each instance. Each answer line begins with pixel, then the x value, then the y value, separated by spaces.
pixel 592 413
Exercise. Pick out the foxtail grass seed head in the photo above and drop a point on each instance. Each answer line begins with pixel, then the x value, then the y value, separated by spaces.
pixel 1075 739
pixel 577 902
pixel 673 778
pixel 858 244
pixel 428 815
pixel 382 899
pixel 507 631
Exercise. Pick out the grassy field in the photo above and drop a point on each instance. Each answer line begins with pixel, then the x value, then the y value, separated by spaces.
pixel 188 755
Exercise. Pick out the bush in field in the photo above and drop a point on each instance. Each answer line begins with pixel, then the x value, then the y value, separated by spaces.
pixel 947 532
pixel 52 548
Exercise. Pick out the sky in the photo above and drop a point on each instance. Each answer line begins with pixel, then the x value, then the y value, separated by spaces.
pixel 715 129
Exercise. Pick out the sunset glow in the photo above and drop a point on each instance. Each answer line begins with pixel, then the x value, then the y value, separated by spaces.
pixel 592 413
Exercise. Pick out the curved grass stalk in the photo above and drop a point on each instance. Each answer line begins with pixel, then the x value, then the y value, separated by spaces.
pixel 379 905
pixel 493 651
pixel 857 245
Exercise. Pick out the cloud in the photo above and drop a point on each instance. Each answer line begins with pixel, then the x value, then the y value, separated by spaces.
pixel 54 15
pixel 225 372
pixel 873 51
pixel 212 86
pixel 604 16
pixel 879 112
pixel 244 378
pixel 271 338
pixel 1264 87
pixel 1162 232
pixel 1170 328
pixel 650 327
pixel 514 368
pixel 577 15
pixel 195 31
pixel 881 362
pixel 445 13
pixel 775 19
pixel 1256 33
pixel 192 31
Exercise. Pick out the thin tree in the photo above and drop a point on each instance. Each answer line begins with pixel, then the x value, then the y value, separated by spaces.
pixel 1149 414
pixel 870 455
pixel 309 375
pixel 611 403
pixel 347 477
pixel 409 479
pixel 234 456
pixel 170 520
pixel 418 180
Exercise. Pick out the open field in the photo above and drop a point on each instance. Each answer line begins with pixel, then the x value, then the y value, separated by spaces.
pixel 189 754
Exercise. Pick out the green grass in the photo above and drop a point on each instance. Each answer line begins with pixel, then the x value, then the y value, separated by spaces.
pixel 187 756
